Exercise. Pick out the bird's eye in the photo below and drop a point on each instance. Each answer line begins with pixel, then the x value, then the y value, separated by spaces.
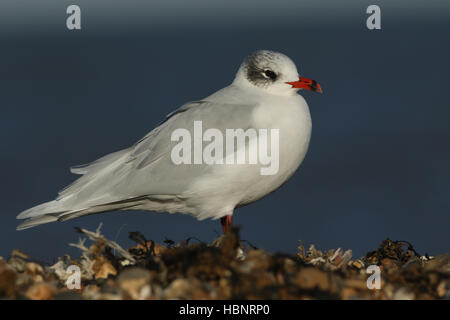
pixel 270 74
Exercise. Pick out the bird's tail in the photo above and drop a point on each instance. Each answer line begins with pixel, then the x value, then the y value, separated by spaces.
pixel 32 222
pixel 43 213
pixel 70 204
pixel 49 212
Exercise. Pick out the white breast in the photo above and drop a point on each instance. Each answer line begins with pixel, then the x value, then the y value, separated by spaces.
pixel 291 116
pixel 230 186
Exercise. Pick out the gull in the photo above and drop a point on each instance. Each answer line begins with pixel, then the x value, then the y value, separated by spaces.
pixel 263 96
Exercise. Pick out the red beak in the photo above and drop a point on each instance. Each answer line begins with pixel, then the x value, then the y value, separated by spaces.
pixel 305 83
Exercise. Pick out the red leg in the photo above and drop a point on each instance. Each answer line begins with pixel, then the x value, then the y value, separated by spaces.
pixel 226 222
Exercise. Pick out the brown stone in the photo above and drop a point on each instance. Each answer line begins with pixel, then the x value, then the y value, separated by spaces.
pixel 357 264
pixel 440 263
pixel 33 268
pixel 41 291
pixel 186 289
pixel 8 279
pixel 310 278
pixel 17 261
pixel 132 280
pixel 103 268
pixel 349 294
pixel 356 284
pixel 36 271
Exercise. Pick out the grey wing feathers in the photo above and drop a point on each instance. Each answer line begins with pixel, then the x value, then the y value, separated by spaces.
pixel 90 167
pixel 148 143
pixel 119 180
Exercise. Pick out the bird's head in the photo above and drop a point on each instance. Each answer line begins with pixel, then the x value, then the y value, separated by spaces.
pixel 274 73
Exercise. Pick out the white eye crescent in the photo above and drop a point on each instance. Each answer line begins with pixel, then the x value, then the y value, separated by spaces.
pixel 269 74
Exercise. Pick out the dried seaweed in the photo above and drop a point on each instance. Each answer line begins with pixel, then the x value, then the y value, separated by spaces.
pixel 228 268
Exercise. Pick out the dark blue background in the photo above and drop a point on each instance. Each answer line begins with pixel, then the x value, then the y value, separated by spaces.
pixel 379 160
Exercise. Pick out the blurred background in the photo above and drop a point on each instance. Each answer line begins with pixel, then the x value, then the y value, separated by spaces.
pixel 379 160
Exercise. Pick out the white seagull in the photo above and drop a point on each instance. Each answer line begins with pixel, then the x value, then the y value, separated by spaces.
pixel 144 176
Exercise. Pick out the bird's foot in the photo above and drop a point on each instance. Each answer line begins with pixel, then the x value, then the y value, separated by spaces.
pixel 227 223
